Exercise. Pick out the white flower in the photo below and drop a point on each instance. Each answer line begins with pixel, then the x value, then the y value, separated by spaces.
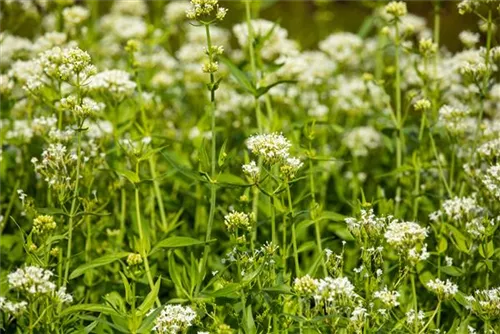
pixel 74 16
pixel 251 170
pixel 444 290
pixel 273 147
pixel 290 167
pixel 389 298
pixel 32 280
pixel 174 319
pixel 361 140
pixel 117 83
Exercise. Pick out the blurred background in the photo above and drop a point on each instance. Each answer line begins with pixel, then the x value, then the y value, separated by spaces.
pixel 308 21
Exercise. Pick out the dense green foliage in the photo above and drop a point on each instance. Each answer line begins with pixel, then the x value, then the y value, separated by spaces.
pixel 163 170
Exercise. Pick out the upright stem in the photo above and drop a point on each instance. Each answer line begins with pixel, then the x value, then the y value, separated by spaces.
pixel 144 255
pixel 317 226
pixel 213 186
pixel 73 208
pixel 156 186
pixel 414 292
pixel 294 236
pixel 397 89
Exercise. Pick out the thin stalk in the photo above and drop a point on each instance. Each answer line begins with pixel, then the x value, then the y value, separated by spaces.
pixel 432 317
pixel 397 92
pixel 73 208
pixel 142 240
pixel 294 236
pixel 414 292
pixel 317 227
pixel 156 186
pixel 213 186
pixel 441 173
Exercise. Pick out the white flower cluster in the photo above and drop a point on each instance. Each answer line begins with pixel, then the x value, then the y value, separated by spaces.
pixel 206 11
pixel 491 180
pixel 174 319
pixel 485 303
pixel 115 83
pixel 273 148
pixel 463 210
pixel 389 298
pixel 238 220
pixel 35 281
pixel 362 140
pixel 368 224
pixel 407 238
pixel 343 48
pixel 329 291
pixel 12 308
pixel 444 289
pixel 456 120
pixel 274 39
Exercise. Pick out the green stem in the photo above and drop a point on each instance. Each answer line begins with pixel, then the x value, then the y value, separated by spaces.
pixel 156 186
pixel 73 208
pixel 432 317
pixel 414 292
pixel 397 92
pixel 294 236
pixel 213 186
pixel 142 241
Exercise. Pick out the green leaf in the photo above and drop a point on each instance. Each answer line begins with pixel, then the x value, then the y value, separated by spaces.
pixel 263 90
pixel 104 309
pixel 128 290
pixel 150 153
pixel 249 325
pixel 51 211
pixel 129 175
pixel 240 76
pixel 97 263
pixel 229 291
pixel 330 215
pixel 443 245
pixel 178 242
pixel 150 299
pixel 232 180
pixel 452 271
pixel 222 154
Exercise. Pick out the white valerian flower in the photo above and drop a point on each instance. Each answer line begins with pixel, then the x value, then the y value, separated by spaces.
pixel 43 224
pixel 368 224
pixel 205 11
pixel 389 298
pixel 485 303
pixel 175 11
pixel 115 83
pixel 362 140
pixel 444 290
pixel 32 280
pixel 275 45
pixel 491 180
pixel 468 38
pixel 305 285
pixel 290 167
pixel 344 48
pixel 74 16
pixel 12 308
pixel 413 318
pixel 251 170
pixel 174 319
pixel 273 147
pixel 396 9
pixel 238 220
pixel 404 234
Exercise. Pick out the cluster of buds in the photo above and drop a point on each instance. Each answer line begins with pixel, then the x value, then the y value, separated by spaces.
pixel 206 11
pixel 44 224
pixel 238 220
